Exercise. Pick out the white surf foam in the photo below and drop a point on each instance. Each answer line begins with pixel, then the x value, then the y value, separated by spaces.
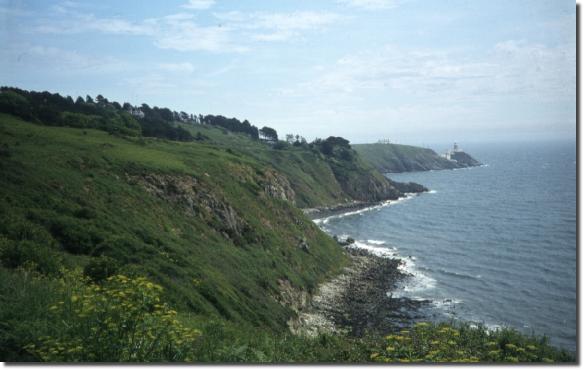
pixel 418 281
pixel 446 304
pixel 325 220
pixel 375 249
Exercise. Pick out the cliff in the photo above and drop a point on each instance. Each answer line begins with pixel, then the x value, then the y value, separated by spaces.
pixel 216 222
pixel 393 158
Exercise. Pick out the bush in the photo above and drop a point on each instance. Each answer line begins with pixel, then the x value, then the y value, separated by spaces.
pixel 427 342
pixel 29 254
pixel 281 145
pixel 74 236
pixel 101 268
pixel 123 320
pixel 17 228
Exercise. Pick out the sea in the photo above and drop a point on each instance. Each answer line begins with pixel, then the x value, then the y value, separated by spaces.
pixel 494 244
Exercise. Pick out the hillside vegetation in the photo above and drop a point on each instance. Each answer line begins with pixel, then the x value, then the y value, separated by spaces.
pixel 196 219
pixel 211 223
pixel 393 158
pixel 115 246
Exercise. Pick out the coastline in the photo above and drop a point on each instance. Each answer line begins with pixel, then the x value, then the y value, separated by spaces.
pixel 327 211
pixel 319 213
pixel 358 300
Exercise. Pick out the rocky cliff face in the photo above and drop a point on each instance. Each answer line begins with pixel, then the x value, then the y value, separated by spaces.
pixel 192 196
pixel 368 185
pixel 277 186
pixel 464 160
pixel 395 158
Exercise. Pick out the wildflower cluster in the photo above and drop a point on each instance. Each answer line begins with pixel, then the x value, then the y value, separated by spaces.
pixel 427 342
pixel 121 320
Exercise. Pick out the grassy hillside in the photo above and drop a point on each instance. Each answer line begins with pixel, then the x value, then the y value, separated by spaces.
pixel 402 158
pixel 191 217
pixel 318 179
pixel 126 248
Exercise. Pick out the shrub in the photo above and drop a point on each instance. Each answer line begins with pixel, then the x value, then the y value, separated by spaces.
pixel 31 254
pixel 75 236
pixel 427 342
pixel 101 268
pixel 121 320
pixel 17 228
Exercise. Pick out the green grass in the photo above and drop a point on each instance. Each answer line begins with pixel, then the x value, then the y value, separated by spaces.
pixel 427 342
pixel 71 192
pixel 401 158
pixel 74 199
pixel 309 172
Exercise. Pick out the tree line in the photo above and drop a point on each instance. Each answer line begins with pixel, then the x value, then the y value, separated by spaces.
pixel 126 119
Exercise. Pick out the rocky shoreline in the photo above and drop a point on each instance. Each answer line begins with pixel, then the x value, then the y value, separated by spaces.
pixel 327 211
pixel 357 302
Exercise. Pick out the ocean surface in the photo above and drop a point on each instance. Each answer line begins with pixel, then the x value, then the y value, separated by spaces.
pixel 494 244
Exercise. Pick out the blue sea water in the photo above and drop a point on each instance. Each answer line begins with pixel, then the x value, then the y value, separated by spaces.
pixel 494 244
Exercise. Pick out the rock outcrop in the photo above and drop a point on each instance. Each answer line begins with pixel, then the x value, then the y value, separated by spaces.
pixel 277 186
pixel 355 301
pixel 192 197
pixel 395 158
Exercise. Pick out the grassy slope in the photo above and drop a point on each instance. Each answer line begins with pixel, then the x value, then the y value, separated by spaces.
pixel 64 190
pixel 308 172
pixel 53 177
pixel 402 158
pixel 317 179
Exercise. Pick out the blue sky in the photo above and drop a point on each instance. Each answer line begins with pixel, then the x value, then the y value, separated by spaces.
pixel 414 71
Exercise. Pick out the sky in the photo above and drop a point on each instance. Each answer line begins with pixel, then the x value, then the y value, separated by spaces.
pixel 412 71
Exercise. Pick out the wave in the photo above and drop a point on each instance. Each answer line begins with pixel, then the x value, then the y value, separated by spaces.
pixel 375 249
pixel 447 303
pixel 325 220
pixel 416 283
pixel 419 285
pixel 453 273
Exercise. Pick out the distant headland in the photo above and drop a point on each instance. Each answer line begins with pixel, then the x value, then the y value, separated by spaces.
pixel 388 157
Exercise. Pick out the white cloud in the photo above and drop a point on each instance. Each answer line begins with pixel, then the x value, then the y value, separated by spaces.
pixel 57 59
pixel 177 31
pixel 182 68
pixel 371 4
pixel 279 26
pixel 397 91
pixel 511 68
pixel 188 36
pixel 80 23
pixel 182 32
pixel 199 4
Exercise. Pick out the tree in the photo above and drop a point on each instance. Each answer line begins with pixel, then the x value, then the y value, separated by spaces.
pixel 13 103
pixel 88 100
pixel 289 138
pixel 101 101
pixel 269 133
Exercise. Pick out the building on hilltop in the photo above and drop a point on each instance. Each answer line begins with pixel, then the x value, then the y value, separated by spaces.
pixel 383 141
pixel 449 153
pixel 136 112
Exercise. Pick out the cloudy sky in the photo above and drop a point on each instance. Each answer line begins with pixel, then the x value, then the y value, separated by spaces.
pixel 413 71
